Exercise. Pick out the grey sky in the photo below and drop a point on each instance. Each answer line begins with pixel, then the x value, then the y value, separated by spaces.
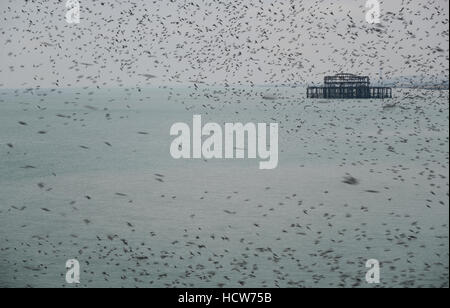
pixel 217 42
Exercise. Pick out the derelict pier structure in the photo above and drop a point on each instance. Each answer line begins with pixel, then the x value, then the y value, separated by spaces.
pixel 348 86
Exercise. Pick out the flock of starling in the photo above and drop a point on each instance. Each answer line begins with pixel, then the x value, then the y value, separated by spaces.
pixel 86 174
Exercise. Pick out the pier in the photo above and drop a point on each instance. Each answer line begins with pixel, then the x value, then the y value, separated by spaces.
pixel 348 86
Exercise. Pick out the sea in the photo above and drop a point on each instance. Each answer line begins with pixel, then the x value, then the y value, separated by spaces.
pixel 87 175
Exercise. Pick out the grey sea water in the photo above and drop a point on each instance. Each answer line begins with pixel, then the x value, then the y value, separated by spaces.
pixel 87 175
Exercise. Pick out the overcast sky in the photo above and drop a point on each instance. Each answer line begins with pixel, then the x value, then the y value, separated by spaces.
pixel 121 43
